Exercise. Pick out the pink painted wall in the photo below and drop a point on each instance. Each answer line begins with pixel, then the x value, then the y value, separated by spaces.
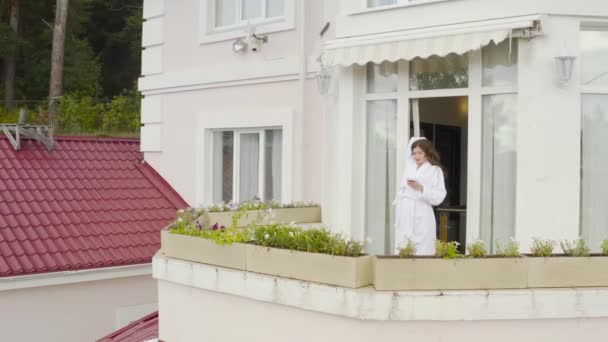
pixel 189 314
pixel 271 90
pixel 73 312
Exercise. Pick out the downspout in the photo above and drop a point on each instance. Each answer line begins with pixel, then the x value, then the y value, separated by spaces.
pixel 299 122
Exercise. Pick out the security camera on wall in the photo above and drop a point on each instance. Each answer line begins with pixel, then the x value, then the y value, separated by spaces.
pixel 255 42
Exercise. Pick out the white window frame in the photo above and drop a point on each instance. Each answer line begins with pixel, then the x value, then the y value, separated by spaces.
pixel 587 90
pixel 208 122
pixel 364 8
pixel 236 154
pixel 209 33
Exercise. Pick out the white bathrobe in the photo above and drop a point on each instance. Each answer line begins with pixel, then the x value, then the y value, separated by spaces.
pixel 414 216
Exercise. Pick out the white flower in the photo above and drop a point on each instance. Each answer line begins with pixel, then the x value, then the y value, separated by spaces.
pixel 267 236
pixel 181 211
pixel 368 240
pixel 291 234
pixel 180 220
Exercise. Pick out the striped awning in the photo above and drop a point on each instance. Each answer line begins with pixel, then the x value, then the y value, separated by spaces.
pixel 410 44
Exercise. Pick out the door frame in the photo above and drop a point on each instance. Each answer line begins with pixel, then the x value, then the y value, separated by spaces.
pixel 404 96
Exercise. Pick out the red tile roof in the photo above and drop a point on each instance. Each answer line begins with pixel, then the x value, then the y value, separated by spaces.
pixel 89 203
pixel 138 331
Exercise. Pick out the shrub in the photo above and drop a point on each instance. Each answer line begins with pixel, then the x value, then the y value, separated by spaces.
pixel 79 114
pixel 477 249
pixel 604 247
pixel 542 248
pixel 576 248
pixel 509 250
pixel 309 240
pixel 447 250
pixel 408 251
pixel 123 113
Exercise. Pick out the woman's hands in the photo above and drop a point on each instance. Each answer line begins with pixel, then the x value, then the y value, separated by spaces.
pixel 415 185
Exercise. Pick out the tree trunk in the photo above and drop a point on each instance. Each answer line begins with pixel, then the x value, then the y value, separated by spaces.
pixel 56 84
pixel 10 61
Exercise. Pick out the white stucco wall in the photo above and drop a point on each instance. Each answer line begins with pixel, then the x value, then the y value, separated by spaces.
pixel 205 80
pixel 75 312
pixel 548 148
pixel 191 314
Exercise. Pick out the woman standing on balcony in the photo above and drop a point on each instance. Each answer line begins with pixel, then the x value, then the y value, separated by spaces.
pixel 422 187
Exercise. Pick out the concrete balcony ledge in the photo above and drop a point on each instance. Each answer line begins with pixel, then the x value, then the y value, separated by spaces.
pixel 371 305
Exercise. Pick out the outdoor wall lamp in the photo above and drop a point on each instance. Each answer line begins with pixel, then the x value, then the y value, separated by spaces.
pixel 563 68
pixel 239 45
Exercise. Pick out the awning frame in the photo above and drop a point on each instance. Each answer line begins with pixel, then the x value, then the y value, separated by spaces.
pixel 485 32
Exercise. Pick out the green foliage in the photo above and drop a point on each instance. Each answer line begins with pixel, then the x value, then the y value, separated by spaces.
pixel 447 250
pixel 409 251
pixel 306 240
pixel 79 114
pixel 542 248
pixel 102 54
pixel 123 113
pixel 12 116
pixel 604 247
pixel 4 39
pixel 267 235
pixel 477 249
pixel 577 248
pixel 509 250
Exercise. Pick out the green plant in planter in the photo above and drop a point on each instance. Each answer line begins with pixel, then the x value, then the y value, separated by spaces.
pixel 509 250
pixel 253 204
pixel 604 247
pixel 576 248
pixel 447 250
pixel 309 240
pixel 542 248
pixel 477 249
pixel 409 251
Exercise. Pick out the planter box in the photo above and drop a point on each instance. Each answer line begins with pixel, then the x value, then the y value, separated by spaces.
pixel 353 272
pixel 283 215
pixel 561 271
pixel 393 273
pixel 205 251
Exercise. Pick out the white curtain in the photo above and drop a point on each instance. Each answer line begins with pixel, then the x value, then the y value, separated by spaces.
pixel 594 210
pixel 249 166
pixel 273 168
pixel 223 149
pixel 380 174
pixel 217 166
pixel 499 154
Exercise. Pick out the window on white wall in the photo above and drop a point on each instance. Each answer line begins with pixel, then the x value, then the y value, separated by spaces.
pixel 229 19
pixel 594 140
pixel 246 164
pixel 380 3
pixel 235 13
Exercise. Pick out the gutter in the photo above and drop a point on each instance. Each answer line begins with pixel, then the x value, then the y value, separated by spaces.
pixel 72 277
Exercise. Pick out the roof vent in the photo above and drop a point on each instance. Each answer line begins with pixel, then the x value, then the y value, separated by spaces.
pixel 16 132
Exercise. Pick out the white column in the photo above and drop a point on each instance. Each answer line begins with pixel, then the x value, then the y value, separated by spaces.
pixel 548 146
